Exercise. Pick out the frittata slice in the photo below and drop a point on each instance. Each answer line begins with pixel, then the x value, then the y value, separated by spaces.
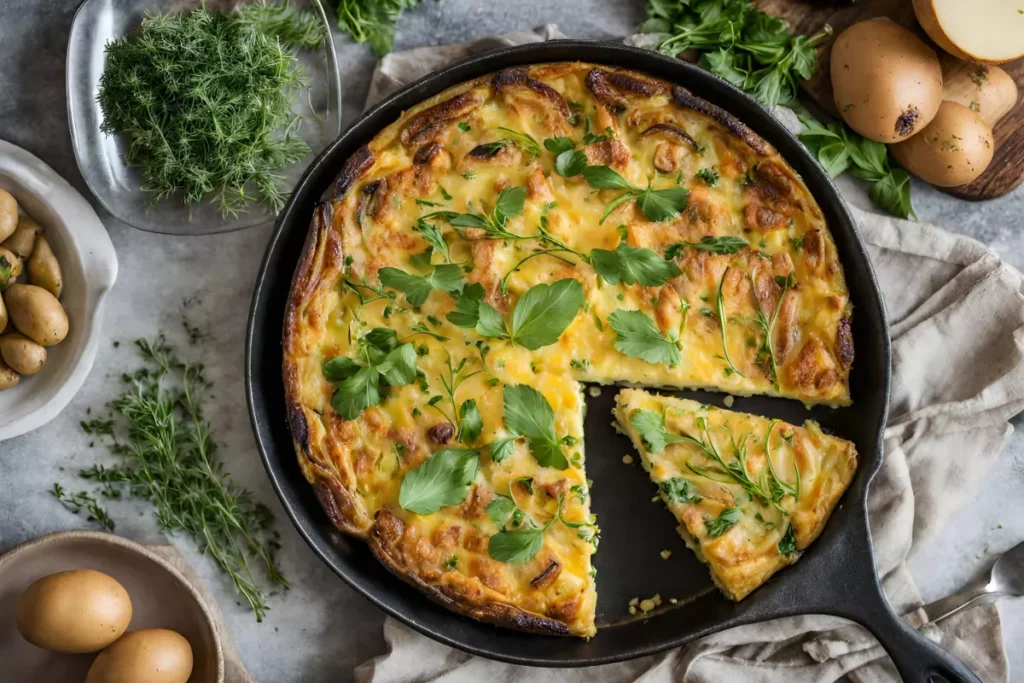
pixel 749 492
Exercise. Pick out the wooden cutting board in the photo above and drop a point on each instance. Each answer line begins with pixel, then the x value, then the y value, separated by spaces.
pixel 808 16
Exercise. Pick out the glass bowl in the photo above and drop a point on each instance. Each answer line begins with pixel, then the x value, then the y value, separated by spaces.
pixel 100 156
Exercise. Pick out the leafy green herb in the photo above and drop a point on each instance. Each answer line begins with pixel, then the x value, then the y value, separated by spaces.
pixel 500 509
pixel 787 544
pixel 433 236
pixel 451 383
pixel 727 519
pixel 656 205
pixel 632 265
pixel 523 141
pixel 766 349
pixel 446 277
pixel 502 447
pixel 722 321
pixel 651 428
pixel 716 245
pixel 743 45
pixel 442 479
pixel 204 102
pixel 6 273
pixel 381 360
pixel 639 337
pixel 467 306
pixel 169 457
pixel 373 21
pixel 451 563
pixel 464 127
pixel 471 422
pixel 679 490
pixel 518 545
pixel 709 176
pixel 77 502
pixel 569 161
pixel 529 414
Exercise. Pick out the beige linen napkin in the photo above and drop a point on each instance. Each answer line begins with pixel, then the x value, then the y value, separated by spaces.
pixel 957 324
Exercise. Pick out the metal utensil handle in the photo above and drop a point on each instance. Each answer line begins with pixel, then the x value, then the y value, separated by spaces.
pixel 950 605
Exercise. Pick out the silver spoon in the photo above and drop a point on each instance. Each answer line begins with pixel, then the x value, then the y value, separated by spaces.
pixel 1006 579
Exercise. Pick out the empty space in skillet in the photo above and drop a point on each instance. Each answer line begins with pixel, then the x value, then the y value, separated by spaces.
pixel 832 572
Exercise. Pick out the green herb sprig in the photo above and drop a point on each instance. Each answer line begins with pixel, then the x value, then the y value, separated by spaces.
pixel 636 335
pixel 381 362
pixel 83 501
pixel 656 205
pixel 373 21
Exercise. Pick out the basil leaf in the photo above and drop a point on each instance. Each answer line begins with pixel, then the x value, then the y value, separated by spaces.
pixel 490 322
pixel 433 236
pixel 527 412
pixel 639 337
pixel 787 544
pixel 516 547
pixel 524 141
pixel 631 265
pixel 339 369
pixel 661 205
pixel 471 422
pixel 511 202
pixel 726 520
pixel 716 245
pixel 559 144
pixel 570 163
pixel 399 368
pixel 679 490
pixel 543 313
pixel 651 428
pixel 467 308
pixel 502 447
pixel 605 178
pixel 447 277
pixel 500 509
pixel 442 479
pixel 355 394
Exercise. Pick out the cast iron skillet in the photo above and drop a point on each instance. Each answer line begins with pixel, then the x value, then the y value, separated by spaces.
pixel 835 576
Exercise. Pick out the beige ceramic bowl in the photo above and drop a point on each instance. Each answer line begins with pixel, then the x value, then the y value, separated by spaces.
pixel 161 597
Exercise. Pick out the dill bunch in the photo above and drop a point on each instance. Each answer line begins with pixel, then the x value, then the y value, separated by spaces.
pixel 205 102
pixel 170 459
pixel 373 21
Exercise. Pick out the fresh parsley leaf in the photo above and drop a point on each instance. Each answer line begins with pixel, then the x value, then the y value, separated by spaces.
pixel 467 307
pixel 340 368
pixel 356 393
pixel 787 544
pixel 500 509
pixel 502 447
pixel 527 412
pixel 357 386
pixel 709 176
pixel 523 141
pixel 543 313
pixel 442 479
pixel 726 520
pixel 471 422
pixel 446 277
pixel 559 144
pixel 517 546
pixel 639 337
pixel 605 178
pixel 716 245
pixel 570 163
pixel 650 425
pixel 433 236
pixel 892 193
pixel 511 202
pixel 631 265
pixel 399 366
pixel 679 490
pixel 662 205
pixel 490 323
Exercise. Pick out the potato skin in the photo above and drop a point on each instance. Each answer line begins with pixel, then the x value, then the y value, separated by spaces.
pixel 8 377
pixel 37 314
pixel 886 82
pixel 44 269
pixel 3 314
pixel 23 355
pixel 10 268
pixel 8 214
pixel 954 149
pixel 23 239
pixel 987 90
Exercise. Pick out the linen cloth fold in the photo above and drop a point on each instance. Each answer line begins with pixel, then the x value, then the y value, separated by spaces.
pixel 957 324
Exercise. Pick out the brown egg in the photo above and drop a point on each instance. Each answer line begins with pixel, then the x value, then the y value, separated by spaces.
pixel 74 612
pixel 153 655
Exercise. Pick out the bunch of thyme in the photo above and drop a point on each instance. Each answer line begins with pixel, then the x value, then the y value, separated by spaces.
pixel 158 427
pixel 204 101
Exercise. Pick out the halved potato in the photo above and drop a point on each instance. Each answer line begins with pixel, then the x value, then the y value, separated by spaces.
pixel 989 31
pixel 954 149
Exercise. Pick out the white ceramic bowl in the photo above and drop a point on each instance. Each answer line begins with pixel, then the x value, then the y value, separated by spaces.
pixel 89 265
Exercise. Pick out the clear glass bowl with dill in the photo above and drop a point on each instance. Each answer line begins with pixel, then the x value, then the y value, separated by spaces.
pixel 119 186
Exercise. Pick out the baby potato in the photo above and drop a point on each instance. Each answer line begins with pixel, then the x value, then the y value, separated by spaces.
pixel 10 268
pixel 988 91
pixel 36 314
pixel 954 149
pixel 43 268
pixel 21 353
pixel 23 238
pixel 8 377
pixel 8 214
pixel 3 314
pixel 154 655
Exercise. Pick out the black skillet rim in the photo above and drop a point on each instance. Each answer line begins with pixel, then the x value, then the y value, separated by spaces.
pixel 855 533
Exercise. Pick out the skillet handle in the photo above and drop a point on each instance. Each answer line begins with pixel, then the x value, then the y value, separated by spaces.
pixel 918 659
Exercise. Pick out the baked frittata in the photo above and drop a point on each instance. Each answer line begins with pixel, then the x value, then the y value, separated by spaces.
pixel 749 493
pixel 495 248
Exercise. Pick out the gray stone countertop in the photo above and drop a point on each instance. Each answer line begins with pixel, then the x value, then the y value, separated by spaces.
pixel 321 629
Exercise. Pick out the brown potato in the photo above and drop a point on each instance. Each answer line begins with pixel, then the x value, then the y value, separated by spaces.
pixel 21 353
pixel 8 377
pixel 37 314
pixel 954 149
pixel 988 91
pixel 8 214
pixel 23 239
pixel 3 314
pixel 10 268
pixel 887 82
pixel 979 30
pixel 43 268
